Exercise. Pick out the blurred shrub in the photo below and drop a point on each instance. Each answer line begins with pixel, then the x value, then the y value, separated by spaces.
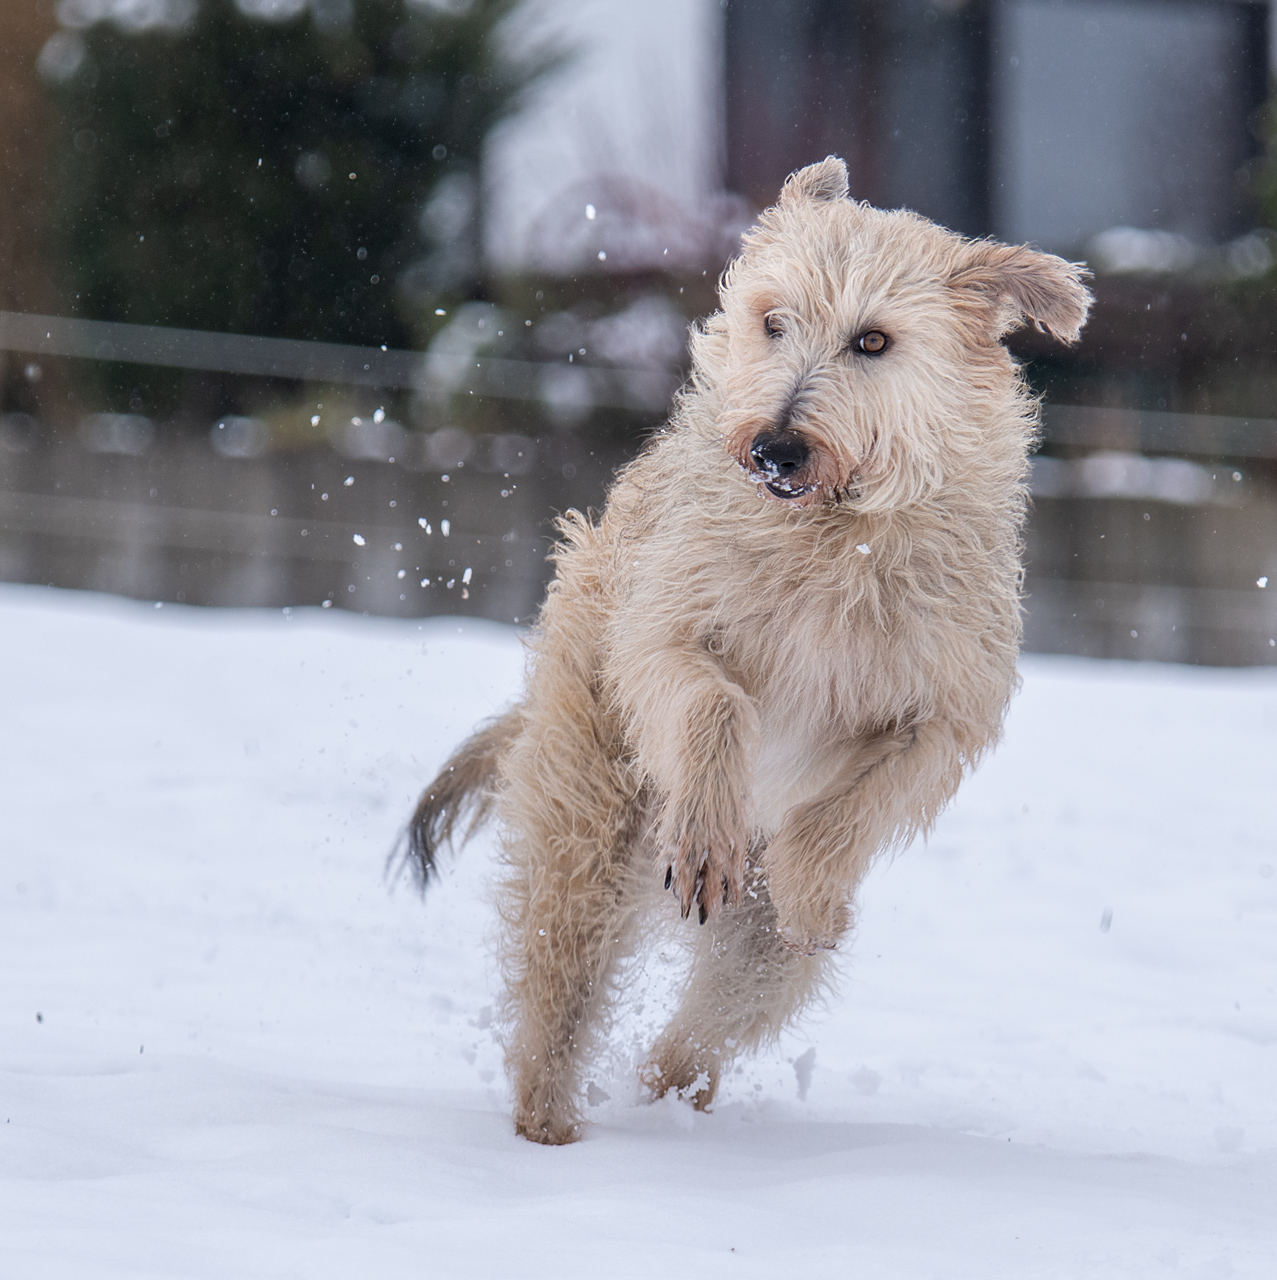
pixel 299 168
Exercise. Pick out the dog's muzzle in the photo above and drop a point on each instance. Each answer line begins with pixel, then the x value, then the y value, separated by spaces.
pixel 779 459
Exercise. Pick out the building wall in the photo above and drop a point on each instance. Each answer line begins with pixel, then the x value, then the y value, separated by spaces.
pixel 634 115
pixel 898 88
pixel 1039 120
pixel 1124 114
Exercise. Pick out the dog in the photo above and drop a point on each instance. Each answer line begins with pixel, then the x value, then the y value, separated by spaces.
pixel 775 654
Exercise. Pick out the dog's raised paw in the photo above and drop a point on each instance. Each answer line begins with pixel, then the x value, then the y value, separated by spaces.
pixel 805 944
pixel 708 880
pixel 809 927
pixel 704 860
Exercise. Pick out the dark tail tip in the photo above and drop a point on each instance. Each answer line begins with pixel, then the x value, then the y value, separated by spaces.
pixel 429 827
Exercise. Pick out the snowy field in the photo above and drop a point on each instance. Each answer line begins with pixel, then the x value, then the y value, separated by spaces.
pixel 229 1049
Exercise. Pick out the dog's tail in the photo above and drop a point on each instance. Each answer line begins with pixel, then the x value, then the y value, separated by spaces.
pixel 461 797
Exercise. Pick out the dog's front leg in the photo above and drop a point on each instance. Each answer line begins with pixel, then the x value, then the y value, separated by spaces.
pixel 696 732
pixel 892 786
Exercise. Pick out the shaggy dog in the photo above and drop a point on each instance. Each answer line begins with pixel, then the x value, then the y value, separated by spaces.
pixel 780 647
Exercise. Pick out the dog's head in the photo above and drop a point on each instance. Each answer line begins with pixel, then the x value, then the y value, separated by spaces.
pixel 859 352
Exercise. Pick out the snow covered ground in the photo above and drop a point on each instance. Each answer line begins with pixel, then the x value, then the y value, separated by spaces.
pixel 227 1049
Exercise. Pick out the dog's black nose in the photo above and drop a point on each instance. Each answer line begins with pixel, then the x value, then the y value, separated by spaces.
pixel 779 453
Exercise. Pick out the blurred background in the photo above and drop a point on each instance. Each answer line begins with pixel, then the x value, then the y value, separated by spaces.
pixel 338 302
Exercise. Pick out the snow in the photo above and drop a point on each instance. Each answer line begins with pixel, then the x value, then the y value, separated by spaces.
pixel 228 1048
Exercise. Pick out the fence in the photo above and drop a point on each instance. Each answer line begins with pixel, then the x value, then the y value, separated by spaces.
pixel 1130 553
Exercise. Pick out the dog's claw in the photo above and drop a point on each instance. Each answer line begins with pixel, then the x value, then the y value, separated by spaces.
pixel 702 872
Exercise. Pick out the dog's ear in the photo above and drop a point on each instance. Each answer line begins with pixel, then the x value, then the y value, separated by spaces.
pixel 824 181
pixel 1023 286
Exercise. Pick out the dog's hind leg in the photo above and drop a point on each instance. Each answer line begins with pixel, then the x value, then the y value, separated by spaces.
pixel 568 907
pixel 744 988
pixel 571 809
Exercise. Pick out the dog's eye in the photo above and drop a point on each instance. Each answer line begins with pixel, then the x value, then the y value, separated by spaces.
pixel 772 325
pixel 873 342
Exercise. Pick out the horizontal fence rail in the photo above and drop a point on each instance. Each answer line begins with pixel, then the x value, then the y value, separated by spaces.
pixel 1155 431
pixel 331 362
pixel 212 352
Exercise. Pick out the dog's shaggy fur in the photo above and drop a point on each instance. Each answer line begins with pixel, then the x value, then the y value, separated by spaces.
pixel 775 654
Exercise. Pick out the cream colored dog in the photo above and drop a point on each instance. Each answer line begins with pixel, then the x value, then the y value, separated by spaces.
pixel 774 656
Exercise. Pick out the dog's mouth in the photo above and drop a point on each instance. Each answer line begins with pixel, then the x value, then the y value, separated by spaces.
pixel 786 488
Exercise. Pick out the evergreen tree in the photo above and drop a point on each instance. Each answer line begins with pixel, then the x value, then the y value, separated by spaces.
pixel 300 168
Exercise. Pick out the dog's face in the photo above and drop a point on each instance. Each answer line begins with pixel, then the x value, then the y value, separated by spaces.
pixel 857 347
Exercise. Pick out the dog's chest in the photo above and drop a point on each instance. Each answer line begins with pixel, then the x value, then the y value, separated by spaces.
pixel 792 767
pixel 817 688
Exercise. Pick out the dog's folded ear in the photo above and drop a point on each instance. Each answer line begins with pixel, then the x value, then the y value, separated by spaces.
pixel 1021 286
pixel 824 181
